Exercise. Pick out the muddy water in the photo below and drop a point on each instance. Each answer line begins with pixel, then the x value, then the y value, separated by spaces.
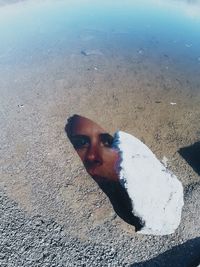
pixel 129 66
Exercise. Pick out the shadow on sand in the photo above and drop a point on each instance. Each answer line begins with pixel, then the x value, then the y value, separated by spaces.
pixel 192 155
pixel 185 255
pixel 121 203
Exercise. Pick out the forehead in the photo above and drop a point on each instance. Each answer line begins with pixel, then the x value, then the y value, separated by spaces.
pixel 84 126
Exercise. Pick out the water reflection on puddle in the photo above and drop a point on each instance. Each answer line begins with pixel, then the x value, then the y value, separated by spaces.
pixel 38 29
pixel 130 65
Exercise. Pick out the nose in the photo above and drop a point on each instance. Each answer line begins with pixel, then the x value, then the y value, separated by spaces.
pixel 93 156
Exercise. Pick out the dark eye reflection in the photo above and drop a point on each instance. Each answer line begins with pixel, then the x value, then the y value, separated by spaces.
pixel 106 139
pixel 83 141
pixel 80 141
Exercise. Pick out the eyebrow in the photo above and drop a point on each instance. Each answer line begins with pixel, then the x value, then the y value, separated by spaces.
pixel 78 136
pixel 101 135
pixel 106 135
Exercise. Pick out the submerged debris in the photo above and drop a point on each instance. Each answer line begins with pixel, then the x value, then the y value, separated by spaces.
pixel 91 52
pixel 188 45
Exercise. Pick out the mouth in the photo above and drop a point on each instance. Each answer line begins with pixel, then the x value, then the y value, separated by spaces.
pixel 99 179
pixel 96 174
pixel 93 173
pixel 92 170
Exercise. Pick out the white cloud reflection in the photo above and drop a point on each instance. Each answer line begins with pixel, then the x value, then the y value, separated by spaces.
pixel 190 8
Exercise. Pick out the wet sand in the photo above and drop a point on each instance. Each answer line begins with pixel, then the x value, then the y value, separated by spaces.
pixel 133 95
pixel 149 96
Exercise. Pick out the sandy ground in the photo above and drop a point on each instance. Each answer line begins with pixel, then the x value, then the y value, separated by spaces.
pixel 41 171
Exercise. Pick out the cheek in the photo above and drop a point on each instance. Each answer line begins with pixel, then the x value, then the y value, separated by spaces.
pixel 81 154
pixel 110 166
pixel 111 157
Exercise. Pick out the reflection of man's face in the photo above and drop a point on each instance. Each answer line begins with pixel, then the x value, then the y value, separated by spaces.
pixel 94 146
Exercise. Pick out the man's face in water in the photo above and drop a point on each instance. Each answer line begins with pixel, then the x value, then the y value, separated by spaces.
pixel 94 146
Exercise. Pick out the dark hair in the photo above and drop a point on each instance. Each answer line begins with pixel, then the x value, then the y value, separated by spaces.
pixel 70 121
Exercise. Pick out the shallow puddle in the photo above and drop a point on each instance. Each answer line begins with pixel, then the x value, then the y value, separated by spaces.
pixel 129 65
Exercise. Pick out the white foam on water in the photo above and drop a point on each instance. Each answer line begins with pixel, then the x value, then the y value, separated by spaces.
pixel 156 193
